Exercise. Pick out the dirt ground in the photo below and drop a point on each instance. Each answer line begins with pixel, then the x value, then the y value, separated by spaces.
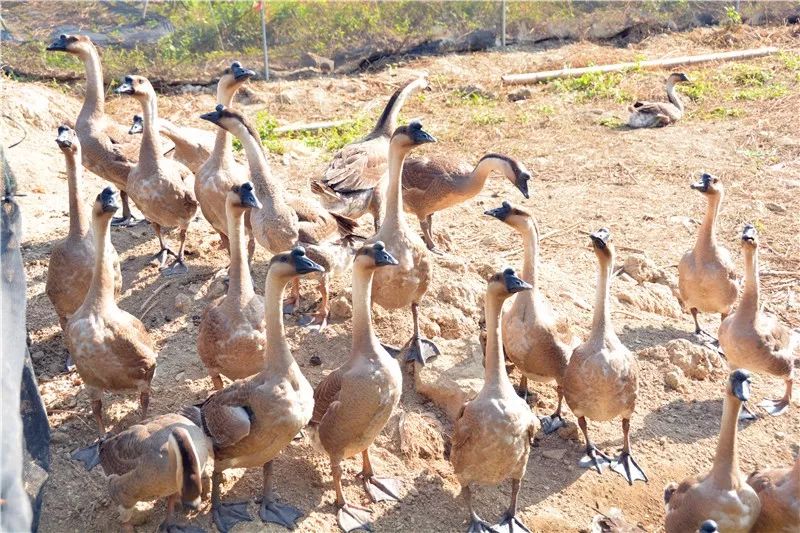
pixel 586 175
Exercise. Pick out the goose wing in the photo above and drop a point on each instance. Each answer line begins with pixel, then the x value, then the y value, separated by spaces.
pixel 419 173
pixel 359 166
pixel 326 393
pixel 227 415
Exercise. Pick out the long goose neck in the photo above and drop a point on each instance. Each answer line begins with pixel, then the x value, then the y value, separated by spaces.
pixel 495 372
pixel 725 471
pixel 267 191
pixel 707 237
pixel 223 144
pixel 530 245
pixel 387 122
pixel 601 321
pixel 672 94
pixel 395 218
pixel 482 170
pixel 240 288
pixel 364 339
pixel 278 355
pixel 150 151
pixel 78 219
pixel 101 290
pixel 94 100
pixel 748 307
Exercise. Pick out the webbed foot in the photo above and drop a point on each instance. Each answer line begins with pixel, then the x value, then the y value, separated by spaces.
pixel 289 306
pixel 160 257
pixel 351 517
pixel 89 456
pixel 173 527
pixel 380 489
pixel 775 407
pixel 317 321
pixel 125 222
pixel 551 423
pixel 435 250
pixel 594 458
pixel 178 268
pixel 280 513
pixel 626 466
pixel 420 350
pixel 510 524
pixel 394 352
pixel 477 525
pixel 227 515
pixel 746 414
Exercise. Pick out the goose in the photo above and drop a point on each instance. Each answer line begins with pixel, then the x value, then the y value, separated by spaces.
pixel 534 339
pixel 658 114
pixel 707 280
pixel 163 188
pixel 251 420
pixel 160 457
pixel 601 381
pixel 190 146
pixel 405 284
pixel 285 221
pixel 431 184
pixel 111 348
pixel 232 334
pixel 69 270
pixel 754 340
pixel 354 402
pixel 778 490
pixel 722 495
pixel 353 183
pixel 493 433
pixel 106 150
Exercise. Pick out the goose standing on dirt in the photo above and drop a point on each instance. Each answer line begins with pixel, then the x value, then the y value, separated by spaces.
pixel 163 188
pixel 354 184
pixel 602 378
pixel 72 260
pixel 722 495
pixel 160 457
pixel 107 150
pixel 232 334
pixel 111 348
pixel 534 340
pixel 707 280
pixel 493 433
pixel 778 490
pixel 353 403
pixel 431 184
pixel 658 114
pixel 252 420
pixel 285 221
pixel 190 146
pixel 405 284
pixel 753 340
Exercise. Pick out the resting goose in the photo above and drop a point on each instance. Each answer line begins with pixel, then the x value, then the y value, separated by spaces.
pixel 721 495
pixel 353 403
pixel 354 184
pixel 160 457
pixel 602 378
pixel 431 184
pixel 707 280
pixel 162 188
pixel 778 490
pixel 754 340
pixel 285 221
pixel 111 348
pixel 493 433
pixel 534 339
pixel 251 420
pixel 232 334
pixel 657 114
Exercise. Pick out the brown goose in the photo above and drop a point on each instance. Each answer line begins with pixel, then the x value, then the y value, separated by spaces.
pixel 658 114
pixel 354 402
pixel 778 490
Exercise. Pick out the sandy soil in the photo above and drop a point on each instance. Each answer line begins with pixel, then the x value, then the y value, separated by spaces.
pixel 586 175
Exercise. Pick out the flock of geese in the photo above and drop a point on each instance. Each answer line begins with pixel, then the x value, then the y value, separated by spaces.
pixel 249 421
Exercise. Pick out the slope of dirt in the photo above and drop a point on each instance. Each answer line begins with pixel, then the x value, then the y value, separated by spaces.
pixel 586 175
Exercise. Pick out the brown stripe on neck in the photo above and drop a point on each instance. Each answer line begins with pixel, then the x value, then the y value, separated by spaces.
pixel 514 166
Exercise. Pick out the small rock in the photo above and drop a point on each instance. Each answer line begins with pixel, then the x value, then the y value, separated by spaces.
pixel 468 91
pixel 641 268
pixel 183 302
pixel 569 431
pixel 179 376
pixel 555 454
pixel 59 437
pixel 675 379
pixel 340 308
pixel 780 435
pixel 653 298
pixel 520 94
pixel 38 355
pixel 775 208
pixel 653 353
pixel 696 362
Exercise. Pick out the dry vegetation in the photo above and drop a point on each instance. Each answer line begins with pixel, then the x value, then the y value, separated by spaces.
pixel 741 125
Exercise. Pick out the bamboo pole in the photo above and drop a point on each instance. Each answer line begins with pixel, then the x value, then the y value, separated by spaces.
pixel 535 77
pixel 264 38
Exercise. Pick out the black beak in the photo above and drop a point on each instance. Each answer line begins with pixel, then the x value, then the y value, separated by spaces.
pixel 125 88
pixel 500 213
pixel 749 233
pixel 702 185
pixel 513 283
pixel 214 116
pixel 685 78
pixel 304 265
pixel 522 183
pixel 108 200
pixel 241 73
pixel 740 384
pixel 384 258
pixel 64 140
pixel 137 126
pixel 59 45
pixel 600 238
pixel 421 137
pixel 247 197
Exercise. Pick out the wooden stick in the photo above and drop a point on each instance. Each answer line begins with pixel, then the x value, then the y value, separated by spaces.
pixel 791 273
pixel 535 77
pixel 312 126
pixel 155 293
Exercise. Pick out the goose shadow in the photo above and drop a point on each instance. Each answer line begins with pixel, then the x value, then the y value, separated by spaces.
pixel 649 336
pixel 682 421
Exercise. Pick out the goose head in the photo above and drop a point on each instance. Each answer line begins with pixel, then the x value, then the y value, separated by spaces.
pixel 137 126
pixel 243 197
pixel 410 135
pixel 739 384
pixel 236 75
pixel 505 284
pixel 137 86
pixel 67 140
pixel 709 185
pixel 374 255
pixel 105 205
pixel 72 44
pixel 602 245
pixel 513 170
pixel 232 121
pixel 677 77
pixel 511 215
pixel 749 237
pixel 287 265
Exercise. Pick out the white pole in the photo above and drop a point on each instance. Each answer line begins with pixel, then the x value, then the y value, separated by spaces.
pixel 503 24
pixel 264 37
